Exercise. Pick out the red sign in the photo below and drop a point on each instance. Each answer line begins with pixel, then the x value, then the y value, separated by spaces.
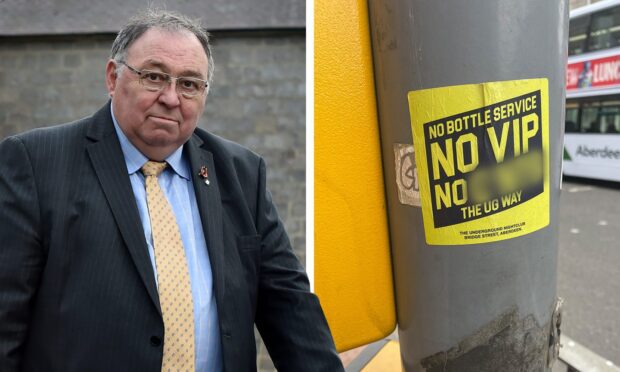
pixel 595 73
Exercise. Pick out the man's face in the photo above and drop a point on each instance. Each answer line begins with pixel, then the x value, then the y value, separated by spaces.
pixel 158 123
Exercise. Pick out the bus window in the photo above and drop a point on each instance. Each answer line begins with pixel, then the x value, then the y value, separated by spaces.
pixel 609 125
pixel 572 118
pixel 615 126
pixel 610 116
pixel 578 31
pixel 590 120
pixel 604 31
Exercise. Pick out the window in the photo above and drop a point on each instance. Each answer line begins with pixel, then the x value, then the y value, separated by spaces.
pixel 605 30
pixel 589 118
pixel 577 35
pixel 593 115
pixel 572 118
pixel 610 116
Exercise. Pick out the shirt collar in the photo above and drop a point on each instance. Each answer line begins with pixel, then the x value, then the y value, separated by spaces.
pixel 135 159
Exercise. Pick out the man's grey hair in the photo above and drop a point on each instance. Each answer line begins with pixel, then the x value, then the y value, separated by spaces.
pixel 163 19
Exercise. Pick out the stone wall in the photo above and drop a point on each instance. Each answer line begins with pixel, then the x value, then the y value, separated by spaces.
pixel 62 17
pixel 257 99
pixel 579 3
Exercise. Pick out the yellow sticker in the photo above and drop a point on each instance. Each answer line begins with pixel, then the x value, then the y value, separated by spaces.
pixel 482 152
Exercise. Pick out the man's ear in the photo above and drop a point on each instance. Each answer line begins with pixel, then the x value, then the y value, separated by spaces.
pixel 111 76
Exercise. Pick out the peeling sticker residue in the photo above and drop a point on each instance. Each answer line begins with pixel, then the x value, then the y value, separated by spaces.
pixel 507 343
pixel 406 175
pixel 554 337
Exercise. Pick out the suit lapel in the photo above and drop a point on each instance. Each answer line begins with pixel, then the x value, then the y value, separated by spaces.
pixel 210 209
pixel 107 158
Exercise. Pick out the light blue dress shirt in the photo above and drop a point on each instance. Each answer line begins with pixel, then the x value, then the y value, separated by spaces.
pixel 176 183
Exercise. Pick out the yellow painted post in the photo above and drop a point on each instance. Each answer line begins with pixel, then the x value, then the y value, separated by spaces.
pixel 353 274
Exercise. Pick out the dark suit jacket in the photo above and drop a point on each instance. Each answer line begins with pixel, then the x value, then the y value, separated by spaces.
pixel 77 291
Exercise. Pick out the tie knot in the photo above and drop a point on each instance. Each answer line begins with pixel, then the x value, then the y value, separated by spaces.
pixel 153 168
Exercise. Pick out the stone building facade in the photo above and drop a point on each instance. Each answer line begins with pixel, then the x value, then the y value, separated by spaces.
pixel 52 64
pixel 579 3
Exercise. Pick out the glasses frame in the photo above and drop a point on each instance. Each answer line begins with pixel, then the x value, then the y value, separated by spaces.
pixel 142 75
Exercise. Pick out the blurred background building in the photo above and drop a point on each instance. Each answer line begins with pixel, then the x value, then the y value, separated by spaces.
pixel 578 3
pixel 52 63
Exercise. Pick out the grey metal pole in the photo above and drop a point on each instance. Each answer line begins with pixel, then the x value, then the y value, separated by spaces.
pixel 476 307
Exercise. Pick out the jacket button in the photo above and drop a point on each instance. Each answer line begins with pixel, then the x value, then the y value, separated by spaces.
pixel 155 341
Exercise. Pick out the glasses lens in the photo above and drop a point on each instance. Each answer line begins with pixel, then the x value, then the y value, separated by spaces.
pixel 153 80
pixel 190 86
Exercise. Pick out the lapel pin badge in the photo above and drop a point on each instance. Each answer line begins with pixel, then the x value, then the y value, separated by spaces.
pixel 204 174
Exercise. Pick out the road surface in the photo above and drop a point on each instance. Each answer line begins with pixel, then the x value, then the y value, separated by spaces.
pixel 589 264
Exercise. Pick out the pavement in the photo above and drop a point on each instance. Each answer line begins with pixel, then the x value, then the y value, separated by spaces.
pixel 384 356
pixel 589 264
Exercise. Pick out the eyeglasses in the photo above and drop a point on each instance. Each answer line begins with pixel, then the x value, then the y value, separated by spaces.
pixel 155 81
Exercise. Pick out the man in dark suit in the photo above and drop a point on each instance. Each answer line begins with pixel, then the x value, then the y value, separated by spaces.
pixel 87 232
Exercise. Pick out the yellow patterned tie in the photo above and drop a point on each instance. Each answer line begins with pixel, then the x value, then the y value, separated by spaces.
pixel 175 293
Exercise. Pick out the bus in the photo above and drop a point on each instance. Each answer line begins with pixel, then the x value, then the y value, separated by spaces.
pixel 592 127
